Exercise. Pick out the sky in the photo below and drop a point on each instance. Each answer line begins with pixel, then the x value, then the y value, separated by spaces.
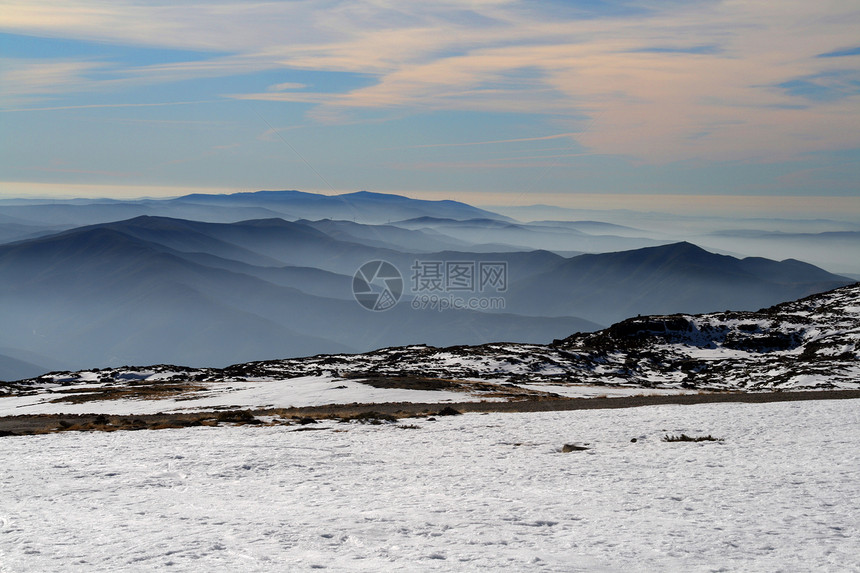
pixel 507 102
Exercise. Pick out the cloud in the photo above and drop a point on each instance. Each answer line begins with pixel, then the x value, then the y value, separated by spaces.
pixel 110 105
pixel 657 104
pixel 116 174
pixel 841 53
pixel 35 189
pixel 28 80
pixel 286 86
pixel 513 162
pixel 655 82
pixel 824 87
pixel 695 50
pixel 496 141
pixel 214 26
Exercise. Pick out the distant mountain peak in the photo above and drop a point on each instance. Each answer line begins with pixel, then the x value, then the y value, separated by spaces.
pixel 374 194
pixel 680 247
pixel 368 206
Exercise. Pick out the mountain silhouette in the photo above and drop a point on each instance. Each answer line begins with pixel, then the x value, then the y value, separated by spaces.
pixel 679 277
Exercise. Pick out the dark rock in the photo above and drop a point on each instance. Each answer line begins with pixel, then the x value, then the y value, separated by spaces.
pixel 567 448
pixel 448 411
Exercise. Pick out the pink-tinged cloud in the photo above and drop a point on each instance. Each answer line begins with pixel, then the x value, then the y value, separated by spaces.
pixel 692 81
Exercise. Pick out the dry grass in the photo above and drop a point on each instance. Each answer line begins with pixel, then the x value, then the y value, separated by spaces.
pixel 374 418
pixel 105 424
pixel 132 391
pixel 686 438
pixel 48 423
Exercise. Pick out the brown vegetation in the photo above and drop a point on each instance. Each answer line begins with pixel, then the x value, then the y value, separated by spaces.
pixel 382 412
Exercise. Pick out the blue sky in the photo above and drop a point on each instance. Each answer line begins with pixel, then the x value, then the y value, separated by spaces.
pixel 487 101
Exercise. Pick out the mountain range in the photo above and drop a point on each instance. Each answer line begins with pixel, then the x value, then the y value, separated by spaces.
pixel 157 289
pixel 363 206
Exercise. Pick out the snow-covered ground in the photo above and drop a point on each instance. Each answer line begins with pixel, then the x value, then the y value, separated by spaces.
pixel 466 493
pixel 257 394
pixel 286 393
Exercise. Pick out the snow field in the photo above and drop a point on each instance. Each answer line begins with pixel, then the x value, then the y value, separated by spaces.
pixel 290 392
pixel 466 493
pixel 255 394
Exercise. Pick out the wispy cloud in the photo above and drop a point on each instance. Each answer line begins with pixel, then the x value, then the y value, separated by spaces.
pixel 824 87
pixel 494 141
pixel 286 86
pixel 121 174
pixel 25 80
pixel 105 105
pixel 841 53
pixel 509 162
pixel 650 81
pixel 709 50
pixel 69 189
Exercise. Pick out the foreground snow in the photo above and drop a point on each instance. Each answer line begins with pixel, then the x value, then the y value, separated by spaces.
pixel 466 493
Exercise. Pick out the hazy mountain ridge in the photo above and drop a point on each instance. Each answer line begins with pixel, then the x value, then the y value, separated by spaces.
pixel 836 250
pixel 827 243
pixel 679 277
pixel 364 207
pixel 548 235
pixel 111 294
pixel 812 343
pixel 159 289
pixel 167 289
